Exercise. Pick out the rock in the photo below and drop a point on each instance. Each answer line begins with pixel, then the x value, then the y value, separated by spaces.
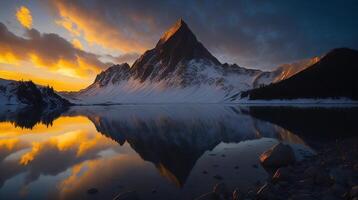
pixel 237 195
pixel 92 191
pixel 278 156
pixel 221 191
pixel 130 195
pixel 262 193
pixel 282 174
pixel 354 192
pixel 208 196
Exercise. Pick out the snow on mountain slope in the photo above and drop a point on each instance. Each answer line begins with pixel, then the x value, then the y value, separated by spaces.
pixel 283 72
pixel 27 93
pixel 208 83
pixel 178 70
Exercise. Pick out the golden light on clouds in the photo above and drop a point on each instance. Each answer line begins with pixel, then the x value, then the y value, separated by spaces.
pixel 97 31
pixel 23 15
pixel 47 59
pixel 77 44
pixel 69 26
pixel 78 140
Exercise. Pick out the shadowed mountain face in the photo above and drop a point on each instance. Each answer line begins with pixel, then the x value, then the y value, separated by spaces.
pixel 334 76
pixel 177 45
pixel 178 69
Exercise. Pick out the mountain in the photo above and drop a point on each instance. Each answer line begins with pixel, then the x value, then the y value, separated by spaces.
pixel 29 94
pixel 283 72
pixel 334 76
pixel 178 69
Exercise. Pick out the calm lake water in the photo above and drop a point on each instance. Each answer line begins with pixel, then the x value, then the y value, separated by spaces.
pixel 160 151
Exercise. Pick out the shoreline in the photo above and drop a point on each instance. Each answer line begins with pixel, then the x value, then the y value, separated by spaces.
pixel 330 174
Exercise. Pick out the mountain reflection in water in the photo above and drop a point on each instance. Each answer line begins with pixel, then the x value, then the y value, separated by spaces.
pixel 161 151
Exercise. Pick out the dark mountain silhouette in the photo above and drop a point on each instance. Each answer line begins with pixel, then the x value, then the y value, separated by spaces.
pixel 334 76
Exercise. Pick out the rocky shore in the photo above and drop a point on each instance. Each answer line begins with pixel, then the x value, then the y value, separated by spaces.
pixel 330 174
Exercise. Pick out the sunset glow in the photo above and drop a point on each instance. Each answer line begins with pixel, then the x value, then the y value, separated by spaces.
pixel 24 17
pixel 66 44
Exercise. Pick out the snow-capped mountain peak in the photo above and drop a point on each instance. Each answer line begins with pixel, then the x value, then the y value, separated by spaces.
pixel 180 25
pixel 178 69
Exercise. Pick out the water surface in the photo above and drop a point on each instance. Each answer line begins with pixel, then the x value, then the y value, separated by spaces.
pixel 160 151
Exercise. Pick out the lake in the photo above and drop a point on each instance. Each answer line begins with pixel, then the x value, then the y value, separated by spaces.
pixel 159 151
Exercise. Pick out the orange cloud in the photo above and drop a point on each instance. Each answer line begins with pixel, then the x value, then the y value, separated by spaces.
pixel 51 53
pixel 77 20
pixel 23 15
pixel 69 26
pixel 77 44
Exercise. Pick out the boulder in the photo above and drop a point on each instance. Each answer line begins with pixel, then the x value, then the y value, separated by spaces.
pixel 237 195
pixel 278 156
pixel 262 193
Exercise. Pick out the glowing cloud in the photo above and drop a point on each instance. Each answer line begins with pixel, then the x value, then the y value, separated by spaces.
pixel 79 21
pixel 23 15
pixel 77 44
pixel 50 53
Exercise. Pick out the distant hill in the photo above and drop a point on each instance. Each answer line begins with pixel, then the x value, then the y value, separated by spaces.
pixel 334 76
pixel 29 94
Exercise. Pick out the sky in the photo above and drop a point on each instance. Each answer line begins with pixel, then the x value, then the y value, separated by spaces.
pixel 64 43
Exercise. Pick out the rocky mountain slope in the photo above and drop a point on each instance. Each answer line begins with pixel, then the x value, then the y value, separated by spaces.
pixel 178 69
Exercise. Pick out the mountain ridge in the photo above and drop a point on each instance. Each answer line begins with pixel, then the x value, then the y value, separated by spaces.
pixel 179 69
pixel 334 76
